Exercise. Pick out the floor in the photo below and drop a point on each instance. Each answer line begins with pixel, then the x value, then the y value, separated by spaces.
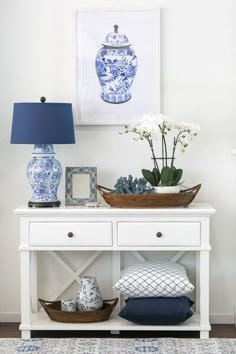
pixel 11 330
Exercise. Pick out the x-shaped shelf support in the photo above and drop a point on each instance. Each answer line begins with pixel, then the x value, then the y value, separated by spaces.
pixel 73 275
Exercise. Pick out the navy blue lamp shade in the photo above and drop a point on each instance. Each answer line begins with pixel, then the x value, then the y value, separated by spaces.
pixel 42 123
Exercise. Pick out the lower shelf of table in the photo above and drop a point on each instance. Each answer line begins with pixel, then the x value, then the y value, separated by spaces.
pixel 40 321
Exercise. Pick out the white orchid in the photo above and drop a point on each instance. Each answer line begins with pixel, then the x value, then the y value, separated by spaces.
pixel 183 142
pixel 149 126
pixel 153 125
pixel 150 123
pixel 166 127
pixel 190 128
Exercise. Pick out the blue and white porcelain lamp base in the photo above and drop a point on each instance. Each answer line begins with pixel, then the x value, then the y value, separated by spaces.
pixel 43 124
pixel 44 175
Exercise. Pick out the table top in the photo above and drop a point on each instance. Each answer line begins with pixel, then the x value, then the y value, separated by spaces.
pixel 198 208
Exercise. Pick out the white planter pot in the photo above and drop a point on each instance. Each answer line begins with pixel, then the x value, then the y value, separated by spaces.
pixel 171 189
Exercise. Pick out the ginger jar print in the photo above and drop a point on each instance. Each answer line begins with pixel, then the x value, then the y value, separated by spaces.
pixel 116 65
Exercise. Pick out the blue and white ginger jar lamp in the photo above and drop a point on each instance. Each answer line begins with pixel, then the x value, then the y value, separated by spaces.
pixel 116 66
pixel 43 124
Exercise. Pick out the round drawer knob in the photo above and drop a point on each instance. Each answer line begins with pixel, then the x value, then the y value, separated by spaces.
pixel 159 234
pixel 70 234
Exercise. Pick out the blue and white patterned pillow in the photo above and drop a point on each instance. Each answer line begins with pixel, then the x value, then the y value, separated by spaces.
pixel 152 279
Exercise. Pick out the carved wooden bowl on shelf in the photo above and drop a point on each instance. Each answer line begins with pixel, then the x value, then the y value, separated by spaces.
pixel 53 309
pixel 170 200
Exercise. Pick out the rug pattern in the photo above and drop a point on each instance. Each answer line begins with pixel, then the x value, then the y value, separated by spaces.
pixel 117 346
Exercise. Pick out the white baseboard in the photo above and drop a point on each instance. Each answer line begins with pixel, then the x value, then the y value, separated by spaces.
pixel 221 318
pixel 215 318
pixel 10 316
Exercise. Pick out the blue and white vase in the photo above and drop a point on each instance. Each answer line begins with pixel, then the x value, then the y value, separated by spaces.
pixel 116 66
pixel 89 297
pixel 44 174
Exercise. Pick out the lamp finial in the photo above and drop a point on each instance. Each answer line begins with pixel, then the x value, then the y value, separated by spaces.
pixel 116 28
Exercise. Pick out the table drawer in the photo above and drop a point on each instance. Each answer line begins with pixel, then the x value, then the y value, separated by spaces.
pixel 71 233
pixel 159 234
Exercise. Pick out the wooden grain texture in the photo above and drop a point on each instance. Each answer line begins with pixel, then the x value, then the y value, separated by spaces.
pixel 182 199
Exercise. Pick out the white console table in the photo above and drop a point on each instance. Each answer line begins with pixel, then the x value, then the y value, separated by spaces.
pixel 114 230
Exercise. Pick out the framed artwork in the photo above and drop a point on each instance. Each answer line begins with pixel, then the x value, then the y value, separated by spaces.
pixel 118 64
pixel 81 185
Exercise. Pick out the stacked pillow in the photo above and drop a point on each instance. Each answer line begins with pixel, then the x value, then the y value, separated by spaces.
pixel 156 293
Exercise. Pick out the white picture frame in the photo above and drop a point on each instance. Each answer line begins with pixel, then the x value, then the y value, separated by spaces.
pixel 92 26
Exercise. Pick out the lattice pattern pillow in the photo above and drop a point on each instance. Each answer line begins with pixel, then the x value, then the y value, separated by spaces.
pixel 152 279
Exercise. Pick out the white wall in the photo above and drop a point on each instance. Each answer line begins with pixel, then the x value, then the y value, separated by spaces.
pixel 198 82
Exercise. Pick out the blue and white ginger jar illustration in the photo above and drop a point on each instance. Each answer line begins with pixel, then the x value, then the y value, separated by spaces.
pixel 116 66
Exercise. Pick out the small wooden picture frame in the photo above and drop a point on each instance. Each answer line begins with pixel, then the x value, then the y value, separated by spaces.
pixel 80 186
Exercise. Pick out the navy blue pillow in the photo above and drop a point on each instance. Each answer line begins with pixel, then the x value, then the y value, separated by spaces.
pixel 157 310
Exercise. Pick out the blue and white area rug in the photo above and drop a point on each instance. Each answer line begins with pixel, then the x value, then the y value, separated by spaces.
pixel 118 346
